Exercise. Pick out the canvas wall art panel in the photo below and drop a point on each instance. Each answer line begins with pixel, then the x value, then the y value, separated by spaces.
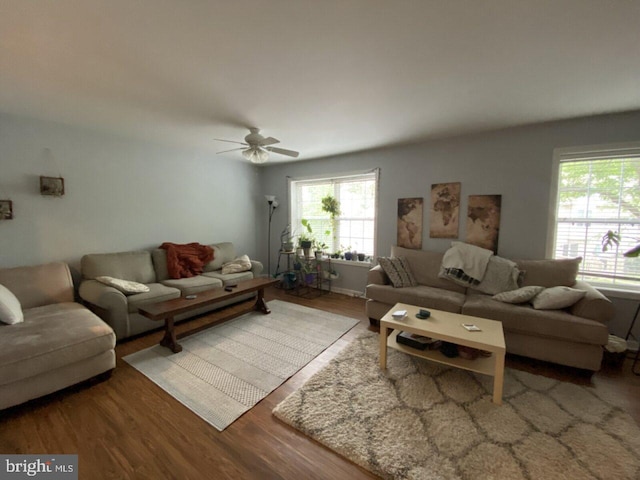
pixel 445 210
pixel 483 221
pixel 410 222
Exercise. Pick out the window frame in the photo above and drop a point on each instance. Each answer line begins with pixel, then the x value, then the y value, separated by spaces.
pixel 291 185
pixel 586 153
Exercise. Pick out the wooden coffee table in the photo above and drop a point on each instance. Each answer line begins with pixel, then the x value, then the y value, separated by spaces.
pixel 168 309
pixel 448 327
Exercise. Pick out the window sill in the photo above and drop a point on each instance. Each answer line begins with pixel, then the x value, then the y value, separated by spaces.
pixel 618 292
pixel 353 263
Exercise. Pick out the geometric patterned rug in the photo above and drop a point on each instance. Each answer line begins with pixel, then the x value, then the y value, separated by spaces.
pixel 423 420
pixel 225 370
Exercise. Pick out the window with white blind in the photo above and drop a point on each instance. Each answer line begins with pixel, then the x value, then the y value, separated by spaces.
pixel 598 191
pixel 354 227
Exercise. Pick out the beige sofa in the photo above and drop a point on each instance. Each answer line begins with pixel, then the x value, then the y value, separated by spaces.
pixel 120 311
pixel 573 337
pixel 59 343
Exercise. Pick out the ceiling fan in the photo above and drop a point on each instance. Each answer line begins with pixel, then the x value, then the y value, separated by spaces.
pixel 257 147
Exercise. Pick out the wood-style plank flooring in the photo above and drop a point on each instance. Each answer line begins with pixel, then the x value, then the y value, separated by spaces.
pixel 127 427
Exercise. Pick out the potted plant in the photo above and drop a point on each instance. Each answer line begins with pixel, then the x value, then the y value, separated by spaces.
pixel 331 205
pixel 305 239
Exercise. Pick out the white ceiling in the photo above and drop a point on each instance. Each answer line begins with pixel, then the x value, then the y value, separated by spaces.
pixel 325 76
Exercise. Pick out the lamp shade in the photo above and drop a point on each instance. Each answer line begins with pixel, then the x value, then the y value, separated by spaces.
pixel 256 155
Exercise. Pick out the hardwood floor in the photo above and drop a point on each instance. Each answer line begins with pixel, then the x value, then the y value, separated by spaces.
pixel 127 427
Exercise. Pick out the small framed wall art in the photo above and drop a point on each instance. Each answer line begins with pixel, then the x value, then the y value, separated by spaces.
pixel 6 210
pixel 53 186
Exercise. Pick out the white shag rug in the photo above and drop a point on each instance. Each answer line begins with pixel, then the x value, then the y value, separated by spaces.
pixel 225 370
pixel 422 420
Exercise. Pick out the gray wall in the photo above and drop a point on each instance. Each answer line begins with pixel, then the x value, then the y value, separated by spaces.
pixel 121 194
pixel 515 163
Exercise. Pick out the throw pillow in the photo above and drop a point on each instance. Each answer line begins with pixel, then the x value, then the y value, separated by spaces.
pixel 520 295
pixel 557 297
pixel 240 264
pixel 398 271
pixel 125 286
pixel 10 308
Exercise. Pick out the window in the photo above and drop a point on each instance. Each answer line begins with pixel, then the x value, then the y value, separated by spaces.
pixel 354 228
pixel 599 191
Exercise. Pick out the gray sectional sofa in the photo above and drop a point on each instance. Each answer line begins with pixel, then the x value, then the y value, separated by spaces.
pixel 120 311
pixel 573 336
pixel 59 343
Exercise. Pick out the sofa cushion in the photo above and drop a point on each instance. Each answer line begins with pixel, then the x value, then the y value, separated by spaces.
pixel 555 298
pixel 135 266
pixel 398 271
pixel 125 286
pixel 51 337
pixel 421 296
pixel 425 266
pixel 237 265
pixel 10 308
pixel 229 278
pixel 549 273
pixel 526 320
pixel 191 285
pixel 159 258
pixel 520 295
pixel 222 253
pixel 157 293
pixel 39 285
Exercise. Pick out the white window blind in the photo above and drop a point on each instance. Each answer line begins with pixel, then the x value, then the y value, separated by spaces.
pixel 354 228
pixel 599 191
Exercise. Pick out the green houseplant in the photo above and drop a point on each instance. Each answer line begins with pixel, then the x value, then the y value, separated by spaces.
pixel 331 205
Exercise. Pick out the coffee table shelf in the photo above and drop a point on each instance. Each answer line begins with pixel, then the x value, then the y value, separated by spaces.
pixel 484 365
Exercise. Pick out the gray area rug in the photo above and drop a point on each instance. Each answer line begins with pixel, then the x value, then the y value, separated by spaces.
pixel 421 420
pixel 225 370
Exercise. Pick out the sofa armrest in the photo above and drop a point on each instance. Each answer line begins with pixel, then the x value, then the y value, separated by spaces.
pixel 103 296
pixel 594 305
pixel 256 268
pixel 377 276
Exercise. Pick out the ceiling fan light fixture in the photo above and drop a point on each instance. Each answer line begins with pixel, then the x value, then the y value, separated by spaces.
pixel 255 155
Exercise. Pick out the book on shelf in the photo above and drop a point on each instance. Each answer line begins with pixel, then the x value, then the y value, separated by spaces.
pixel 417 341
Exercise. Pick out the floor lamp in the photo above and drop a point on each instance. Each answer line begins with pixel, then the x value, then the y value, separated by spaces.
pixel 273 204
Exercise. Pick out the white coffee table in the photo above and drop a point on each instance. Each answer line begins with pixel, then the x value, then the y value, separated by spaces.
pixel 448 327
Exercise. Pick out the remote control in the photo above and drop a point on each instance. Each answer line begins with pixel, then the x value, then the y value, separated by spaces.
pixel 190 297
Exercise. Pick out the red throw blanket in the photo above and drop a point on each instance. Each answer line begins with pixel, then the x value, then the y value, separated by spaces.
pixel 188 260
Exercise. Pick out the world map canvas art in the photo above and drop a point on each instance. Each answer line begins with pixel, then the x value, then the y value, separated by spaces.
pixel 483 221
pixel 410 222
pixel 445 210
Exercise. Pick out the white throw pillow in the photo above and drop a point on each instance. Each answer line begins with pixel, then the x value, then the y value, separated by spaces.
pixel 555 298
pixel 125 286
pixel 240 264
pixel 10 308
pixel 520 295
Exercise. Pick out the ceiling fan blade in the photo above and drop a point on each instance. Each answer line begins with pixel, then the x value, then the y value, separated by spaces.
pixel 232 150
pixel 231 141
pixel 282 151
pixel 268 141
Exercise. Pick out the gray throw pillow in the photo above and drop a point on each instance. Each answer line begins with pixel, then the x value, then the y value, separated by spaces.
pixel 398 271
pixel 555 298
pixel 520 295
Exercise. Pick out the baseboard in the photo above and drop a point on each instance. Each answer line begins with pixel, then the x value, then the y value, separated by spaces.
pixel 347 291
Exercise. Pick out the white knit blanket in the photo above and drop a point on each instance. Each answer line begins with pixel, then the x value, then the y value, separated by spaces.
pixel 467 258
